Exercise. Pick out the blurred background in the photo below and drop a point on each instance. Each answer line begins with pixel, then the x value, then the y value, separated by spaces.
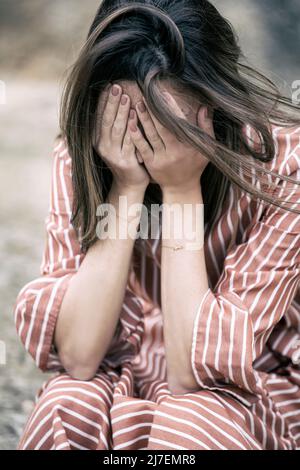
pixel 39 40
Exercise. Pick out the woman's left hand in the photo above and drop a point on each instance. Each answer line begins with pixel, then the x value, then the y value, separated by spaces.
pixel 172 164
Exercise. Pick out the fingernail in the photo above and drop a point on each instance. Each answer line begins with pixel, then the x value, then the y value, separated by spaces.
pixel 132 114
pixel 124 99
pixel 133 127
pixel 141 107
pixel 115 90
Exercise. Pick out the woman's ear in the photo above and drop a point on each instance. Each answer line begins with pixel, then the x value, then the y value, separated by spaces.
pixel 205 119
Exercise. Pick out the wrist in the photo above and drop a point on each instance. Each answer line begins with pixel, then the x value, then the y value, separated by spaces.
pixel 133 192
pixel 181 194
pixel 127 202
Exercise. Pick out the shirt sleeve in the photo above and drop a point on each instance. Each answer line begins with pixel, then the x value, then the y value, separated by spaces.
pixel 258 282
pixel 38 303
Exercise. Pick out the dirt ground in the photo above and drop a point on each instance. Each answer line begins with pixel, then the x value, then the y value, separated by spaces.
pixel 26 141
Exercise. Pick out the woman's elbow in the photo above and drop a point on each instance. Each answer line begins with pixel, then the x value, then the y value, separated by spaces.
pixel 79 368
pixel 180 387
pixel 81 373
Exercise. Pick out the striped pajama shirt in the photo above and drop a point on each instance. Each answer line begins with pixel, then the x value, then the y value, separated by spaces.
pixel 246 336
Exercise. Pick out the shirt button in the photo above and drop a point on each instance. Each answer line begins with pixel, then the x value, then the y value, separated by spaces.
pixel 296 354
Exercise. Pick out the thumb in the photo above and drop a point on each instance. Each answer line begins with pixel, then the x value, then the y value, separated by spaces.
pixel 139 156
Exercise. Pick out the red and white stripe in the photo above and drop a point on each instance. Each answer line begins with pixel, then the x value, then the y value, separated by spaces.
pixel 250 311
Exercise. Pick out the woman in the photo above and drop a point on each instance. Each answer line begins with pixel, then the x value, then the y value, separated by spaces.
pixel 178 342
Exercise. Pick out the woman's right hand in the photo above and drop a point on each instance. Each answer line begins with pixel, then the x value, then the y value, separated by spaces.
pixel 112 141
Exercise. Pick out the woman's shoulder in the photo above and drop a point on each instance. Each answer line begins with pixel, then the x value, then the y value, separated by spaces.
pixel 60 148
pixel 286 159
pixel 287 149
pixel 285 162
pixel 62 168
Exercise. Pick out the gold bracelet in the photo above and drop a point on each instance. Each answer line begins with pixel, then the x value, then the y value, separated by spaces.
pixel 187 246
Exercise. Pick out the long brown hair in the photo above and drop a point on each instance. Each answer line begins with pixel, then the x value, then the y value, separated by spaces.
pixel 189 43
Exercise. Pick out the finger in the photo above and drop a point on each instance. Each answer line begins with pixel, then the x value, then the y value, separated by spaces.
pixel 128 145
pixel 161 130
pixel 120 123
pixel 129 148
pixel 205 120
pixel 110 111
pixel 149 127
pixel 141 144
pixel 139 156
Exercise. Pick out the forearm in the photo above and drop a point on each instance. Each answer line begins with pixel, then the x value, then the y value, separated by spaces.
pixel 183 284
pixel 92 303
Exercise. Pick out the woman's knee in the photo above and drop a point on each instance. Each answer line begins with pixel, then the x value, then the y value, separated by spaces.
pixel 70 410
